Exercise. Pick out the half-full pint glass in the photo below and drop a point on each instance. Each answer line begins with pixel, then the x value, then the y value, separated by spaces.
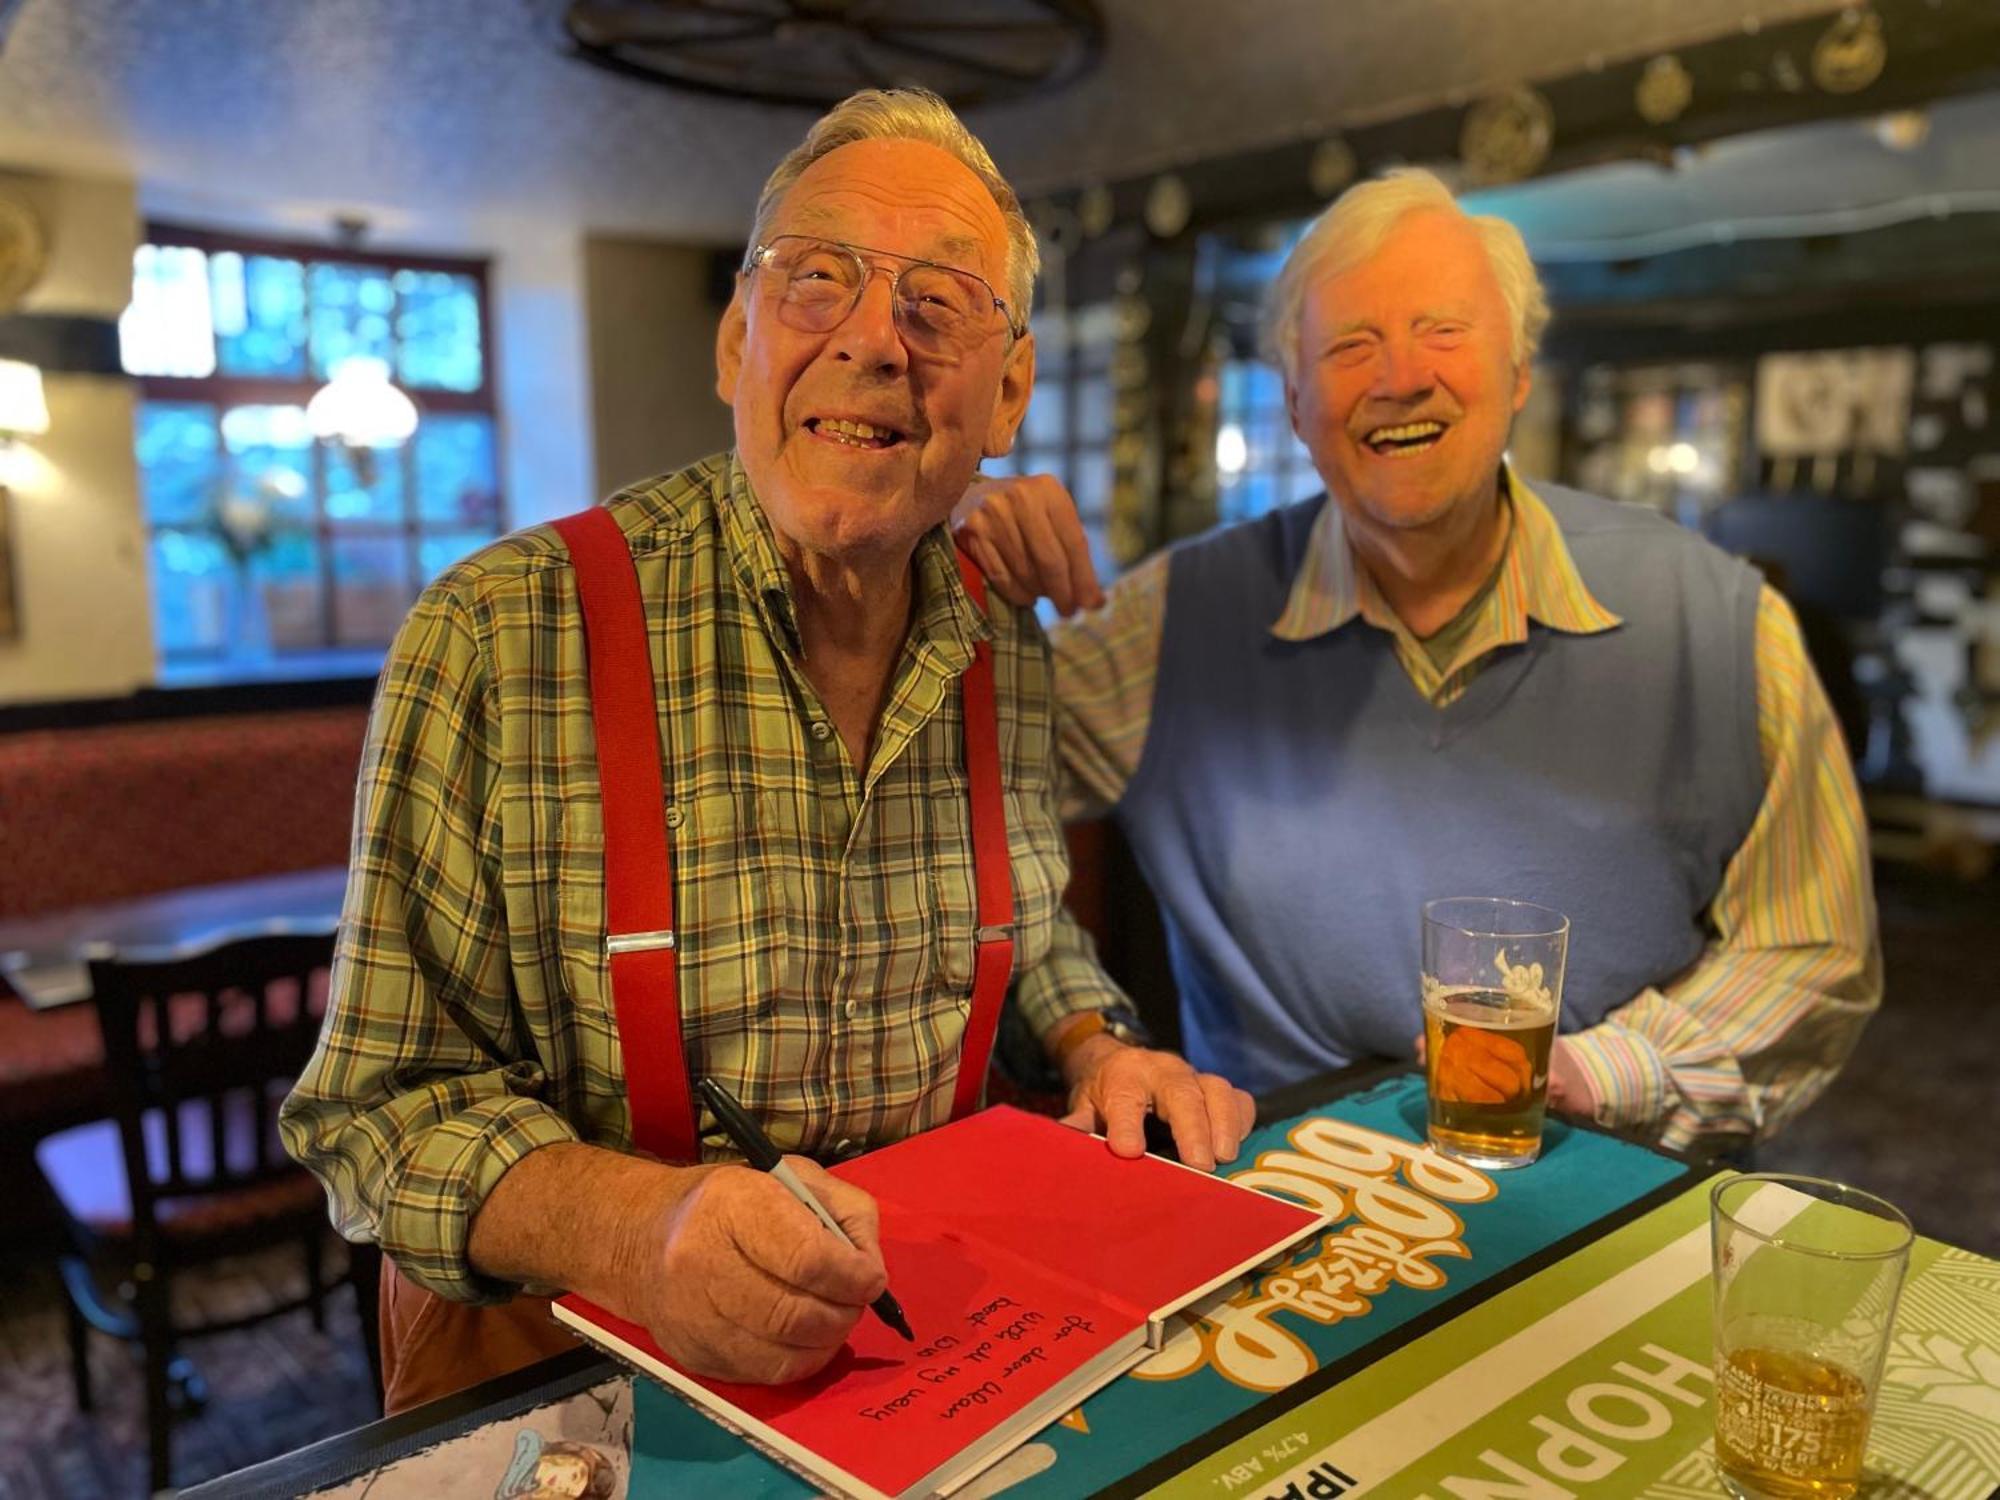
pixel 1492 986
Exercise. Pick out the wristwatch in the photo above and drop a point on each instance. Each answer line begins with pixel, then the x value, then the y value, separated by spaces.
pixel 1119 1021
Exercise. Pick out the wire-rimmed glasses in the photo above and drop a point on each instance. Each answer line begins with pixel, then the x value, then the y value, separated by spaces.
pixel 939 309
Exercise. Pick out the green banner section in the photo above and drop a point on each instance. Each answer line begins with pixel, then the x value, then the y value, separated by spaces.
pixel 1593 1377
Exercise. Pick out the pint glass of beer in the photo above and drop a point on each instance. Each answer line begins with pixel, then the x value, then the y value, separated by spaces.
pixel 1492 985
pixel 1807 1274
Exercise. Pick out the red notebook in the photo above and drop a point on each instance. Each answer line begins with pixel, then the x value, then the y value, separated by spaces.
pixel 1034 1267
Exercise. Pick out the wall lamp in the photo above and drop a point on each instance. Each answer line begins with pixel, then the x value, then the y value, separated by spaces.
pixel 24 411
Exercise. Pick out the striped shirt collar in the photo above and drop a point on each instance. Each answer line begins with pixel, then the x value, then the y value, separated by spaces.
pixel 943 617
pixel 1539 581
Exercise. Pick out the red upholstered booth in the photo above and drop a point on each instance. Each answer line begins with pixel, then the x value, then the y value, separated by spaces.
pixel 113 811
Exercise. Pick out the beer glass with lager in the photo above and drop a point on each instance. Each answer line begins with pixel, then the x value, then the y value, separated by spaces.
pixel 1807 1275
pixel 1492 988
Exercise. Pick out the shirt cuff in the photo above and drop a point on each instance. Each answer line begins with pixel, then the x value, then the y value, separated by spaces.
pixel 435 1192
pixel 1629 1078
pixel 1060 986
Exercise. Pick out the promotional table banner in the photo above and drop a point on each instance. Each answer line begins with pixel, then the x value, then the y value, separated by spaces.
pixel 1413 1231
pixel 1593 1377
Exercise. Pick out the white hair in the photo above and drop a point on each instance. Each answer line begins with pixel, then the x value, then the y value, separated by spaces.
pixel 910 114
pixel 1353 228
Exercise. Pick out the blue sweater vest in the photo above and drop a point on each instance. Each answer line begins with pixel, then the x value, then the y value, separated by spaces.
pixel 1298 801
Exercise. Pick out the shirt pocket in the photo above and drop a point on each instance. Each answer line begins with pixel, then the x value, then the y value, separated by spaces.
pixel 732 913
pixel 1039 867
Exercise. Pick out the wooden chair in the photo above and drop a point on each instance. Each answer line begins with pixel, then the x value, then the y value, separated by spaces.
pixel 199 1052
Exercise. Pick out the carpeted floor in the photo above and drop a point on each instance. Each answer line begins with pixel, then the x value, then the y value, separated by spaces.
pixel 273 1387
pixel 1910 1119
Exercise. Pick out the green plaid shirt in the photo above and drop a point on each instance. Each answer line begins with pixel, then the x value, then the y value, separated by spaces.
pixel 825 917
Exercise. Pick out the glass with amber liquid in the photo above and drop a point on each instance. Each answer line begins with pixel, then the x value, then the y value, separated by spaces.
pixel 1492 992
pixel 1807 1276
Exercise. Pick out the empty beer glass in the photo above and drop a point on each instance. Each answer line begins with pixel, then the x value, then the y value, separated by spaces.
pixel 1807 1274
pixel 1492 988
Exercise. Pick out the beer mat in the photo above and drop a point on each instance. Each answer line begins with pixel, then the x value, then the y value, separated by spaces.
pixel 1592 1376
pixel 1413 1233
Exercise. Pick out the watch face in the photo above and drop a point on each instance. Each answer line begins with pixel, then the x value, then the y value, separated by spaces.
pixel 1123 1024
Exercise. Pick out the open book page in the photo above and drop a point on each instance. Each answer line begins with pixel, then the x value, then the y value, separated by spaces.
pixel 995 1335
pixel 1151 1233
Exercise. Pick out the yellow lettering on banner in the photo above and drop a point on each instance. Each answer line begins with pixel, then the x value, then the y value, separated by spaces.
pixel 1526 1485
pixel 1674 1368
pixel 1251 1350
pixel 1343 1171
pixel 1586 1400
pixel 1377 1155
pixel 1593 1460
pixel 1381 1201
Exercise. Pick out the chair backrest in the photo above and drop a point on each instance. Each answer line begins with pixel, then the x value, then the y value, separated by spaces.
pixel 199 1052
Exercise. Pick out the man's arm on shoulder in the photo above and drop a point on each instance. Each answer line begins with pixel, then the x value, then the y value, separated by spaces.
pixel 1759 1026
pixel 1025 536
pixel 419 1096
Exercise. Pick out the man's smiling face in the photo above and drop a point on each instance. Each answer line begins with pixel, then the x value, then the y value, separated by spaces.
pixel 1406 384
pixel 856 445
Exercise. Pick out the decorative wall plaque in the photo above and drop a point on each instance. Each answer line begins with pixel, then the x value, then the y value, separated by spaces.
pixel 23 251
pixel 1665 89
pixel 1851 54
pixel 1507 136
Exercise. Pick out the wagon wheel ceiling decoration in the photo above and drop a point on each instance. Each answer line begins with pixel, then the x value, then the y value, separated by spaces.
pixel 815 52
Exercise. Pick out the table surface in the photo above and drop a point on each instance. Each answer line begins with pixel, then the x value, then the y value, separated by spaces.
pixel 353 1454
pixel 46 958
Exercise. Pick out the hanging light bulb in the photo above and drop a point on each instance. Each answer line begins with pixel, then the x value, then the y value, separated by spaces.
pixel 360 407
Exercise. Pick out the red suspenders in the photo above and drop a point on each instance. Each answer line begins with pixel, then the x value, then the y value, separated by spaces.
pixel 638 859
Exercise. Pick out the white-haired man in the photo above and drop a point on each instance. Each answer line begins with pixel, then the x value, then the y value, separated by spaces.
pixel 1441 682
pixel 732 778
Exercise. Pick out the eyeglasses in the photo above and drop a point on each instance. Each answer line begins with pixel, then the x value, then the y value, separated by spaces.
pixel 938 309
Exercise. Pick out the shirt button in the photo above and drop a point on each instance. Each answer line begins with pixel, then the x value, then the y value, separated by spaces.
pixel 674 817
pixel 821 729
pixel 847 1009
pixel 843 1146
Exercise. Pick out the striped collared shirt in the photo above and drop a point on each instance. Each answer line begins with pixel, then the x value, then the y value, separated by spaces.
pixel 1758 1026
pixel 825 914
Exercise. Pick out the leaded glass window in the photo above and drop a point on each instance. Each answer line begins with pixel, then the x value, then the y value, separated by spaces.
pixel 273 553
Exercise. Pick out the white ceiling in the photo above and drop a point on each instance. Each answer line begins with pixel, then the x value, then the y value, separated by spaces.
pixel 440 119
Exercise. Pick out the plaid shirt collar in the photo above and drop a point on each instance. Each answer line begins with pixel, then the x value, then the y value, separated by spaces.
pixel 944 622
pixel 1539 581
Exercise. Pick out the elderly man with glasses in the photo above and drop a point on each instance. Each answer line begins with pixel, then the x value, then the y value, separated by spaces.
pixel 738 776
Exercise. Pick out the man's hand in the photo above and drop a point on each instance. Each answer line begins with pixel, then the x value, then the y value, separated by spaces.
pixel 738 1281
pixel 1570 1092
pixel 1113 1087
pixel 1483 1067
pixel 1025 536
pixel 732 1275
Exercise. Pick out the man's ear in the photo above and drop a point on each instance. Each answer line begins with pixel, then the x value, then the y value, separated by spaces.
pixel 1523 383
pixel 729 337
pixel 1017 384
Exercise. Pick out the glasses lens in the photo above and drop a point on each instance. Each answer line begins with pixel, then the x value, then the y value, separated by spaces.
pixel 942 306
pixel 820 280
